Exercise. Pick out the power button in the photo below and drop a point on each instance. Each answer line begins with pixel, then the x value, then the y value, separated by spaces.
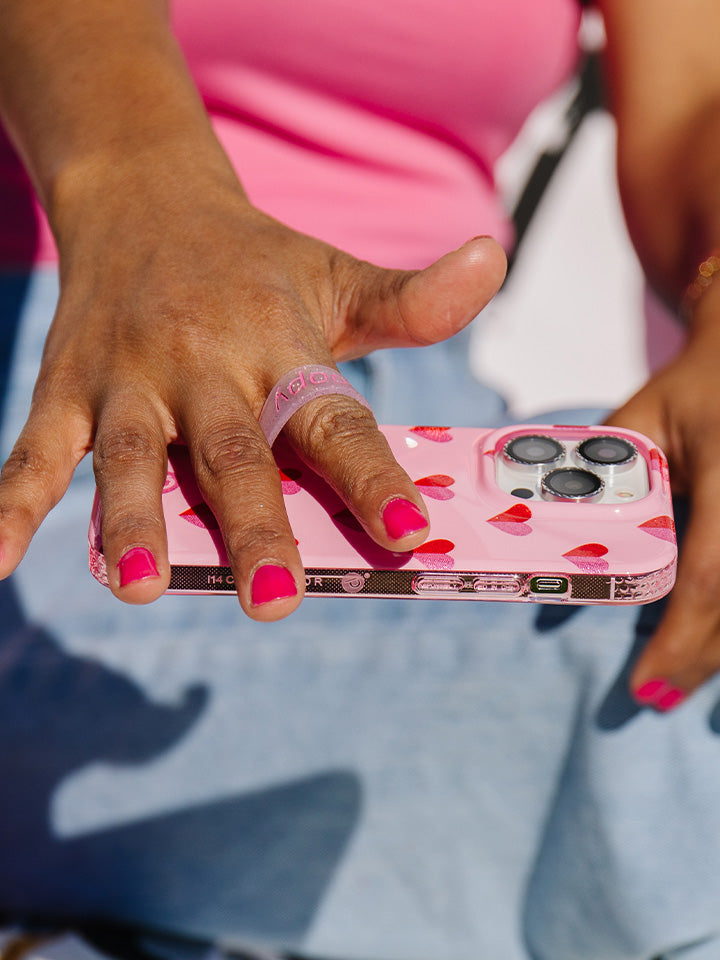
pixel 550 584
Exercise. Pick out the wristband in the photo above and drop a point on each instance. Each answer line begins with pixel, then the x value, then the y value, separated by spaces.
pixel 295 389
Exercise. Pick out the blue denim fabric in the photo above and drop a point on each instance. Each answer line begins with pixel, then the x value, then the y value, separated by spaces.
pixel 380 780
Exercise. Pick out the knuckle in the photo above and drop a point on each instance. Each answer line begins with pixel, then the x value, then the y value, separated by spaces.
pixel 231 450
pixel 123 528
pixel 26 463
pixel 123 445
pixel 202 328
pixel 340 422
pixel 255 540
pixel 347 436
pixel 195 335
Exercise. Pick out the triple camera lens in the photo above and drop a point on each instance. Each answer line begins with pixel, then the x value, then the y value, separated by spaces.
pixel 597 455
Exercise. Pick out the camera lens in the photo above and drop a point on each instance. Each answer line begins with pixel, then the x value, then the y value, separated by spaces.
pixel 569 483
pixel 607 451
pixel 534 449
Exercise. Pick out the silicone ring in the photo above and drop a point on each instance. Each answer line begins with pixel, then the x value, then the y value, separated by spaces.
pixel 295 389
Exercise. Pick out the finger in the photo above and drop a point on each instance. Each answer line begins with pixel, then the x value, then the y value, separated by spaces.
pixel 130 462
pixel 685 649
pixel 645 413
pixel 403 308
pixel 239 480
pixel 339 438
pixel 36 475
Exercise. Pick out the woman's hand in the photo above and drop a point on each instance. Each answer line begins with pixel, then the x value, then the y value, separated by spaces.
pixel 680 409
pixel 181 305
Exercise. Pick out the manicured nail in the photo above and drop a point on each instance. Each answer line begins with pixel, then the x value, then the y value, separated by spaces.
pixel 137 564
pixel 272 582
pixel 660 695
pixel 401 518
pixel 651 690
pixel 668 701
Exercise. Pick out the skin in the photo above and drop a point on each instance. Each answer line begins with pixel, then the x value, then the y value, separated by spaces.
pixel 664 82
pixel 180 308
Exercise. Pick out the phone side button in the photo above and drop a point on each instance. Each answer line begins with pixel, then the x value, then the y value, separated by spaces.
pixel 550 585
pixel 497 585
pixel 437 583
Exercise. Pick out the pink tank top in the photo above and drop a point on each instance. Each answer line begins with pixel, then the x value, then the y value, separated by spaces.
pixel 373 124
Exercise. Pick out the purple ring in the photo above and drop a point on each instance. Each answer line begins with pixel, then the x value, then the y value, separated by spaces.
pixel 295 389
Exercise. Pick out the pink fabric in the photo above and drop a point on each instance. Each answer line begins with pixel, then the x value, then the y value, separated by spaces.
pixel 374 124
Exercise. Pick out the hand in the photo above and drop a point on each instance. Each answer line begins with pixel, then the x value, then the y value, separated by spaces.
pixel 181 305
pixel 680 409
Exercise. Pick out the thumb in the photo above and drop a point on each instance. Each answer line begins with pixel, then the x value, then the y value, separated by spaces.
pixel 400 308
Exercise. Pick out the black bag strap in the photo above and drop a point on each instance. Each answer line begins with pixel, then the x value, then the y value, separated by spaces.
pixel 589 97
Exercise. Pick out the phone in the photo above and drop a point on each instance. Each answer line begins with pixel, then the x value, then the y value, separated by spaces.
pixel 556 513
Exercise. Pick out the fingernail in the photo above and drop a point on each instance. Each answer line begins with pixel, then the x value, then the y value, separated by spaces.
pixel 137 564
pixel 668 701
pixel 401 518
pixel 272 582
pixel 660 695
pixel 651 690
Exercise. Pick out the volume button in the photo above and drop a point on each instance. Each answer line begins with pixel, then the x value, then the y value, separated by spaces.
pixel 440 583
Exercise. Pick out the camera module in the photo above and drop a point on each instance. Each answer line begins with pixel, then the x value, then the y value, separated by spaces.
pixel 534 449
pixel 570 483
pixel 607 451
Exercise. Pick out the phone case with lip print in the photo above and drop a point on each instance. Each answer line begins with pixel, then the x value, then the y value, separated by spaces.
pixel 528 513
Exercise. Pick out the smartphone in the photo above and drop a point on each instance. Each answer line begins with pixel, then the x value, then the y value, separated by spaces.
pixel 556 513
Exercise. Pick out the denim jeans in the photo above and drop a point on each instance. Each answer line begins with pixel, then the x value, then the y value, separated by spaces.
pixel 384 780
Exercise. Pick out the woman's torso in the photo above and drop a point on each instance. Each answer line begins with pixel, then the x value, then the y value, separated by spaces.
pixel 373 125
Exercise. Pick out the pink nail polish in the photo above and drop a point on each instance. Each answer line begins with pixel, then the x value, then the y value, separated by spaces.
pixel 671 699
pixel 401 518
pixel 660 695
pixel 137 564
pixel 649 692
pixel 272 582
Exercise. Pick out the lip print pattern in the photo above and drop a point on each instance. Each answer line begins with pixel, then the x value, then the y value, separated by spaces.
pixel 513 520
pixel 288 480
pixel 436 434
pixel 436 486
pixel 434 554
pixel 171 482
pixel 588 557
pixel 201 516
pixel 661 527
pixel 659 463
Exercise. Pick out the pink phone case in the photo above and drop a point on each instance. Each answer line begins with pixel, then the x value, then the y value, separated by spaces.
pixel 485 543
